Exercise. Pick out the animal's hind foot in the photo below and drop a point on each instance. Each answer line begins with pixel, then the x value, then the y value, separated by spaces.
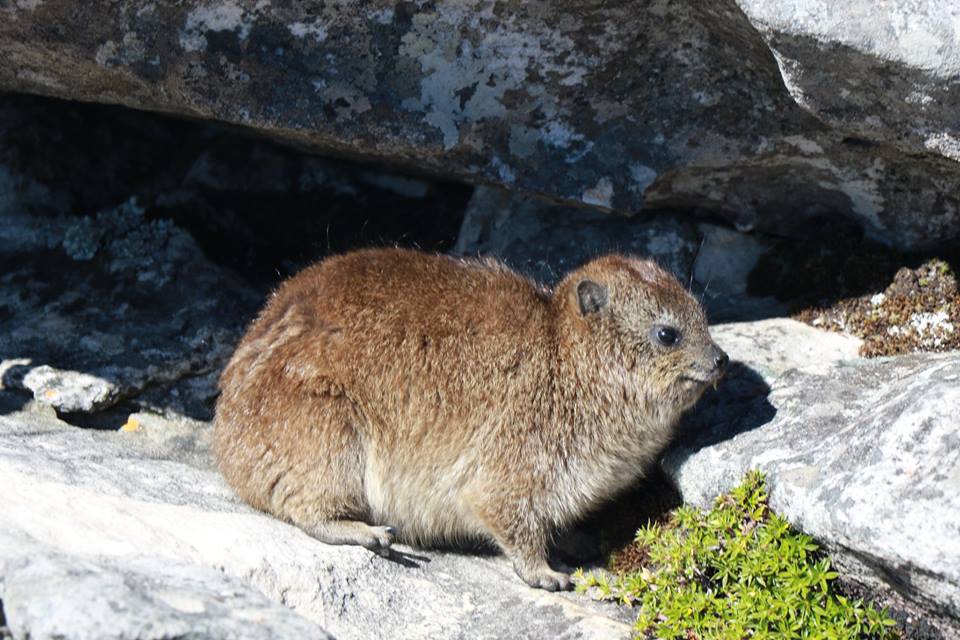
pixel 376 538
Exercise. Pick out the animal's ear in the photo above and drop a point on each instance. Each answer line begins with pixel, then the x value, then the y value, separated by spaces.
pixel 592 296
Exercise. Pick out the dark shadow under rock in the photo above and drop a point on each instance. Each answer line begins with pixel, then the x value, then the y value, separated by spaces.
pixel 266 212
pixel 258 208
pixel 99 310
pixel 545 240
pixel 820 270
pixel 738 404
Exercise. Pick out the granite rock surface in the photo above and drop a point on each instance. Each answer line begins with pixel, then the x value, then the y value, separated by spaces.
pixel 888 71
pixel 615 105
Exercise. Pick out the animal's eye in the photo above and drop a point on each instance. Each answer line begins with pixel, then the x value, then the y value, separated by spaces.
pixel 667 336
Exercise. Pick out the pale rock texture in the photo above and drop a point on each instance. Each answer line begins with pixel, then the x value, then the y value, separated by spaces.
pixel 774 346
pixel 882 69
pixel 50 595
pixel 725 259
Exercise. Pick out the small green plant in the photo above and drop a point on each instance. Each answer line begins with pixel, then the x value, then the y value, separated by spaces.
pixel 737 571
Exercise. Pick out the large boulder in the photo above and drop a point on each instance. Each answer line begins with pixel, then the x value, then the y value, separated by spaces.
pixel 132 535
pixel 862 454
pixel 134 598
pixel 614 105
pixel 882 69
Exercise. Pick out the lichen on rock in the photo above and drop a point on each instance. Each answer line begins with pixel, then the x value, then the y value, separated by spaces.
pixel 616 105
pixel 918 311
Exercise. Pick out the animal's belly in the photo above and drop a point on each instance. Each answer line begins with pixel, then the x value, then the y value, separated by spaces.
pixel 424 508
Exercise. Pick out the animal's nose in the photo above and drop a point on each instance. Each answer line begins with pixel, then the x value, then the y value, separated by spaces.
pixel 720 358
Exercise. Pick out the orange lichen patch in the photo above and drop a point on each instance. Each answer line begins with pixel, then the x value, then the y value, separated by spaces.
pixel 132 424
pixel 49 394
pixel 918 311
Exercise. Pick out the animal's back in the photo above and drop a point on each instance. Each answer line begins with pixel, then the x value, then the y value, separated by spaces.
pixel 391 325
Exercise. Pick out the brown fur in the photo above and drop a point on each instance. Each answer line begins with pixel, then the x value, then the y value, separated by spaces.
pixel 455 399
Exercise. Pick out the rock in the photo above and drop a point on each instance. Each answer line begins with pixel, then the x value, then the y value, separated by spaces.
pixel 68 391
pixel 725 258
pixel 545 240
pixel 863 455
pixel 777 345
pixel 724 261
pixel 129 518
pixel 49 595
pixel 96 310
pixel 614 105
pixel 885 71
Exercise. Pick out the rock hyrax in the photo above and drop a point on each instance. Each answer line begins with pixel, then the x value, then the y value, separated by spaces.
pixel 390 393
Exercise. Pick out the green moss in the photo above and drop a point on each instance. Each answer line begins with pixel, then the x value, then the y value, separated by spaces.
pixel 737 571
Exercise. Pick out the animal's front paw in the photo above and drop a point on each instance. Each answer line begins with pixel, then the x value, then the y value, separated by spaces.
pixel 378 539
pixel 547 579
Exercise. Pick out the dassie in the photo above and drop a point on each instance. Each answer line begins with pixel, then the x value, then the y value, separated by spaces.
pixel 388 393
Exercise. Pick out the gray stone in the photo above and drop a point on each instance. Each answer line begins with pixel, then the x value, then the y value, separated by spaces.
pixel 863 455
pixel 725 259
pixel 49 596
pixel 546 240
pixel 129 513
pixel 97 310
pixel 616 105
pixel 880 69
pixel 774 346
pixel 68 391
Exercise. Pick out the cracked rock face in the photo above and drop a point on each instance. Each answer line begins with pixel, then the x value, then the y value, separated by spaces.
pixel 615 105
pixel 864 455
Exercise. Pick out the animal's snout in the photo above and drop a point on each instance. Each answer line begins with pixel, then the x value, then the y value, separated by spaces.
pixel 719 358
